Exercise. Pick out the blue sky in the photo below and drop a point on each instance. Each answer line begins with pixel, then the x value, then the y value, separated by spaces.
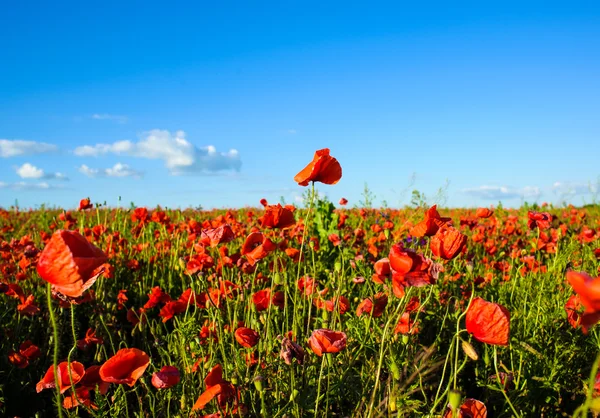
pixel 220 104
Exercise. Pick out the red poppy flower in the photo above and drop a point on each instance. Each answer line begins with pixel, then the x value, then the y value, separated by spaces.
pixel 276 216
pixel 92 380
pixel 215 387
pixel 171 309
pixel 70 263
pixel 343 201
pixel 246 337
pixel 447 243
pixel 256 247
pixel 89 340
pixel 215 236
pixel 48 382
pixel 374 306
pixel 406 325
pixel 471 408
pixel 382 270
pixel 588 289
pixel 85 204
pixel 156 297
pixel 573 307
pixel 541 220
pixel 125 367
pixel 327 341
pixel 429 225
pixel 17 359
pixel 323 168
pixel 403 260
pixel 488 322
pixel 484 212
pixel 167 377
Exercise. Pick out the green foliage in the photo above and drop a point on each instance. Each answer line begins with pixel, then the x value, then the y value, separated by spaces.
pixel 546 370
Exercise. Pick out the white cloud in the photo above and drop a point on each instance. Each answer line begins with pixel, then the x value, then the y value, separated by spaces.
pixel 292 131
pixel 29 171
pixel 106 116
pixel 573 189
pixel 179 155
pixel 503 192
pixel 21 185
pixel 118 170
pixel 16 147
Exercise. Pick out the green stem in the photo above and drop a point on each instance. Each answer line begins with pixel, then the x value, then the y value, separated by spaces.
pixel 55 359
pixel 73 348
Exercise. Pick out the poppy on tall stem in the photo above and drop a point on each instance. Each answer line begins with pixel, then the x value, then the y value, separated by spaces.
pixel 323 168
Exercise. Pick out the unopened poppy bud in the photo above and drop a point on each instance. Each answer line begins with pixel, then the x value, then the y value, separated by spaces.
pixel 470 267
pixel 277 278
pixel 386 232
pixel 405 339
pixel 181 264
pixel 338 266
pixel 234 380
pixel 294 395
pixel 454 398
pixel 486 358
pixel 395 370
pixel 469 350
pixel 258 383
pixel 392 400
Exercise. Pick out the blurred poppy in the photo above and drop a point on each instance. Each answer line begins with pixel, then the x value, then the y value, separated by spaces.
pixel 447 243
pixel 246 337
pixel 215 236
pixel 167 377
pixel 374 306
pixel 323 168
pixel 588 289
pixel 484 212
pixel 488 322
pixel 573 307
pixel 471 408
pixel 256 247
pixel 264 202
pixel 85 204
pixel 343 201
pixel 430 225
pixel 277 217
pixel 48 381
pixel 327 341
pixel 156 297
pixel 90 340
pixel 70 263
pixel 125 367
pixel 540 220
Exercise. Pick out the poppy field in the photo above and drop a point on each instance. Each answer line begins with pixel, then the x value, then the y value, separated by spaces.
pixel 312 311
